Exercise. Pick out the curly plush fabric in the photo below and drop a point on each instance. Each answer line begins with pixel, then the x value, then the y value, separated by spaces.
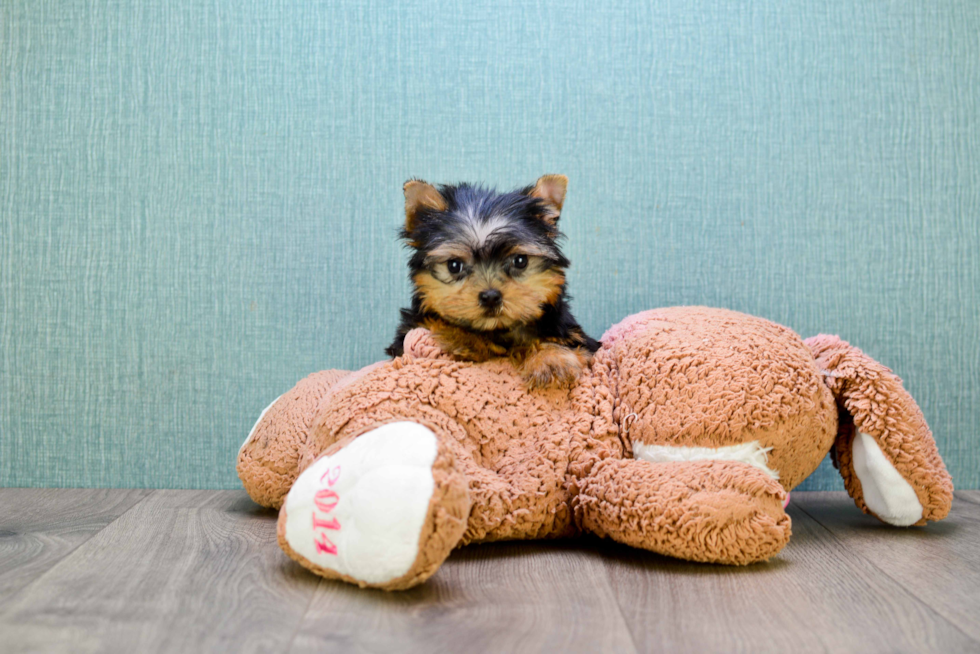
pixel 712 511
pixel 516 483
pixel 693 385
pixel 270 456
pixel 713 378
pixel 874 398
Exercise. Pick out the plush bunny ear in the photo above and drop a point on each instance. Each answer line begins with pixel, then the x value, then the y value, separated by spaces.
pixel 885 451
pixel 550 189
pixel 420 195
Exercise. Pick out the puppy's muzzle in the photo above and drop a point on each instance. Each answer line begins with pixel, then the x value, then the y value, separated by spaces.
pixel 490 299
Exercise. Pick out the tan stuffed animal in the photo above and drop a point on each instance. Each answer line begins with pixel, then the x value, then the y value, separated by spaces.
pixel 683 438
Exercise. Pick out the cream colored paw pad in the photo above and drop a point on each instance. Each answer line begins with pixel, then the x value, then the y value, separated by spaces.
pixel 886 491
pixel 361 511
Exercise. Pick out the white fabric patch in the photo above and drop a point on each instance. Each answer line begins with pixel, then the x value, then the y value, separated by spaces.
pixel 886 492
pixel 255 426
pixel 750 453
pixel 360 512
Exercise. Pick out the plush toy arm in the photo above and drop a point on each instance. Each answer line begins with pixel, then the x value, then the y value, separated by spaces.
pixel 887 456
pixel 268 461
pixel 711 510
pixel 421 344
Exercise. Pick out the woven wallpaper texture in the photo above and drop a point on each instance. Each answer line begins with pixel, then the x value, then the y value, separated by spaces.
pixel 199 199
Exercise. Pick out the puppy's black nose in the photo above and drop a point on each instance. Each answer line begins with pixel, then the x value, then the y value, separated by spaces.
pixel 490 298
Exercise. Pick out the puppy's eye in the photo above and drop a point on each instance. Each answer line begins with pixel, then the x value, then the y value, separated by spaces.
pixel 455 266
pixel 520 261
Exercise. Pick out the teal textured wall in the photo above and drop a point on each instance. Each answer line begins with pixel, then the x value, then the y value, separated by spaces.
pixel 199 198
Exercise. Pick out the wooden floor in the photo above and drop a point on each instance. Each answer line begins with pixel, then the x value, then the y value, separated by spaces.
pixel 186 571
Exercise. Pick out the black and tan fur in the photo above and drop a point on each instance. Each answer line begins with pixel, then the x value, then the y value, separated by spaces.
pixel 489 278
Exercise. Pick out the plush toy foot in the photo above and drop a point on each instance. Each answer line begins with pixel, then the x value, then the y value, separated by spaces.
pixel 887 457
pixel 711 511
pixel 385 511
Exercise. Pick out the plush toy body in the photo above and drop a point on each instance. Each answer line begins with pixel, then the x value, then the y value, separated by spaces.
pixel 682 438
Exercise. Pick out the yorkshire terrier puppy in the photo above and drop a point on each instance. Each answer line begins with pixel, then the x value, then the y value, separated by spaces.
pixel 489 278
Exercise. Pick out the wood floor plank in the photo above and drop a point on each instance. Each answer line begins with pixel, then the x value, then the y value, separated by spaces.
pixel 187 571
pixel 970 497
pixel 938 563
pixel 502 597
pixel 815 596
pixel 40 526
pixel 183 571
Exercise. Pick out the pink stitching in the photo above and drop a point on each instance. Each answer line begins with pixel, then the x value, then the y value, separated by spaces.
pixel 335 472
pixel 319 523
pixel 326 494
pixel 325 546
pixel 326 501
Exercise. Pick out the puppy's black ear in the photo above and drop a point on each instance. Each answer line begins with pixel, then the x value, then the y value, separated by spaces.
pixel 550 189
pixel 420 195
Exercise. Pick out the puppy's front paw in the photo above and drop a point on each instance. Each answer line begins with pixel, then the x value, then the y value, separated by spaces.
pixel 553 366
pixel 465 346
pixel 475 352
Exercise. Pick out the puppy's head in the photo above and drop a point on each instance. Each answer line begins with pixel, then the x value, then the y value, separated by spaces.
pixel 486 260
